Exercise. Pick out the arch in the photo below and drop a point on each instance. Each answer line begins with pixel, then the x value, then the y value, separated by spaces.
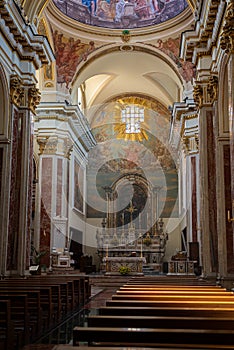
pixel 4 105
pixel 141 192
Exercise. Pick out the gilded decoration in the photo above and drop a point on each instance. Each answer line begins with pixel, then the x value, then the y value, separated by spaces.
pixel 186 144
pixel 227 36
pixel 16 91
pixel 67 148
pixel 47 145
pixel 198 95
pixel 212 88
pixel 34 97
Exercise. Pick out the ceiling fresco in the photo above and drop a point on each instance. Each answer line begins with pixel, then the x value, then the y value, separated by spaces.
pixel 113 158
pixel 121 14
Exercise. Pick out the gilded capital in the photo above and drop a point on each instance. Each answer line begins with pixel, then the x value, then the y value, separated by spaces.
pixel 186 144
pixel 34 97
pixel 47 145
pixel 198 95
pixel 67 148
pixel 16 91
pixel 227 35
pixel 42 144
pixel 212 88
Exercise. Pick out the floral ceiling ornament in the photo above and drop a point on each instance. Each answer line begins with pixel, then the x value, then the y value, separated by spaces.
pixel 126 36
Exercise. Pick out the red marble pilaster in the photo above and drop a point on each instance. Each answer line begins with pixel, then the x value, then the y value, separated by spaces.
pixel 228 205
pixel 59 187
pixel 1 162
pixel 46 197
pixel 194 199
pixel 30 189
pixel 212 200
pixel 16 155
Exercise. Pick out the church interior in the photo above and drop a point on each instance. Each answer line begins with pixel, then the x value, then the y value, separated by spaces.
pixel 116 174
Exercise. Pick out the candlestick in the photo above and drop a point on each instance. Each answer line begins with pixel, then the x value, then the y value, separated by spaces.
pixel 107 251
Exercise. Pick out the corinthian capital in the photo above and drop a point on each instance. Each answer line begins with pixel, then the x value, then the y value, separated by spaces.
pixel 227 35
pixel 212 88
pixel 16 91
pixel 198 95
pixel 34 97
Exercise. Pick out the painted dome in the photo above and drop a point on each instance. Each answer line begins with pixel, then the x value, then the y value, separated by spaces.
pixel 121 14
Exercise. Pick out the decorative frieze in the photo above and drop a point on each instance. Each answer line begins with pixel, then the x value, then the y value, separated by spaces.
pixel 227 36
pixel 16 91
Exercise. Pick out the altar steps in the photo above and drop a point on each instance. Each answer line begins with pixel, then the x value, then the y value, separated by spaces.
pixel 118 281
pixel 108 281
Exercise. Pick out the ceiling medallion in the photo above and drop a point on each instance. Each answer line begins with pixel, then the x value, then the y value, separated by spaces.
pixel 126 48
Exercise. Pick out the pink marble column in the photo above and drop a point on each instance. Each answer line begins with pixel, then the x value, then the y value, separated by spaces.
pixel 46 198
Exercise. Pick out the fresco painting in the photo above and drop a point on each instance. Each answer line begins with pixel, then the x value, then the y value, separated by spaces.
pixel 69 53
pixel 113 158
pixel 171 47
pixel 123 14
pixel 78 200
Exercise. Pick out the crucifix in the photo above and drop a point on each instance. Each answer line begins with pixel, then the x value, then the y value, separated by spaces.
pixel 131 210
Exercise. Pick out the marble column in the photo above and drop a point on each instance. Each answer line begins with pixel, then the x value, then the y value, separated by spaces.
pixel 208 153
pixel 24 100
pixel 54 155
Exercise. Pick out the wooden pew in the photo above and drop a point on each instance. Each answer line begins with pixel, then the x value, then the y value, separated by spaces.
pixel 171 303
pixel 171 287
pixel 151 336
pixel 47 305
pixel 6 326
pixel 172 292
pixel 160 322
pixel 166 311
pixel 33 306
pixel 19 317
pixel 175 297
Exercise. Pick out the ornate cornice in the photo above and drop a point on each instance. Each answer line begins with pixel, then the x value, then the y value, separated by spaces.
pixel 227 36
pixel 21 36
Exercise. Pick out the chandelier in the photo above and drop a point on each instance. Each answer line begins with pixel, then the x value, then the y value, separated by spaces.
pixel 130 126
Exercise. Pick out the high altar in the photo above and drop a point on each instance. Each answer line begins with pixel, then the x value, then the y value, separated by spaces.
pixel 139 244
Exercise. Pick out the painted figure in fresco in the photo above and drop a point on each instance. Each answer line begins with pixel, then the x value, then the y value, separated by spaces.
pixel 119 8
pixel 91 4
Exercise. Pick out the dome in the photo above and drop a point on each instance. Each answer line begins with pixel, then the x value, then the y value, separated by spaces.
pixel 121 14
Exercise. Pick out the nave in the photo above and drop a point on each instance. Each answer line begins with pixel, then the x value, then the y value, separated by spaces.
pixel 145 312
